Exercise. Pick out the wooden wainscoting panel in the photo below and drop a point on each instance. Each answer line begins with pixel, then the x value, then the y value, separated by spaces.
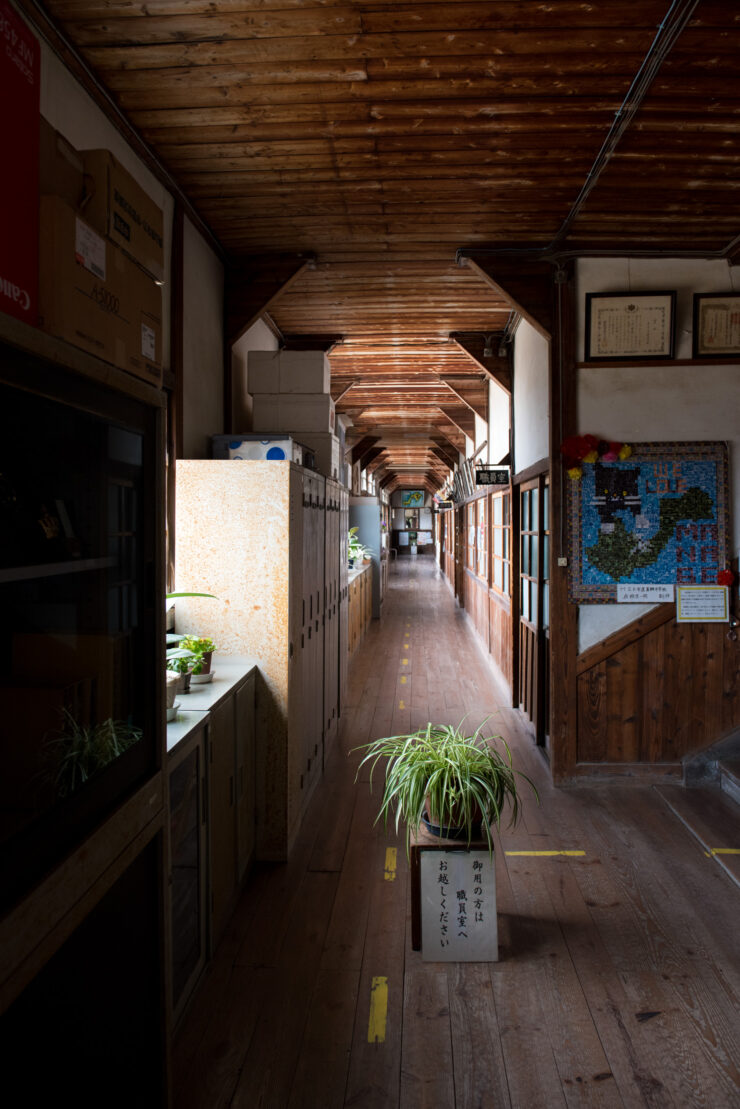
pixel 730 683
pixel 656 744
pixel 476 604
pixel 592 726
pixel 624 704
pixel 657 698
pixel 500 642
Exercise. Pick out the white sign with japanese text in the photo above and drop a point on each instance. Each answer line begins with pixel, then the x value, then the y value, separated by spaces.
pixel 703 604
pixel 634 593
pixel 458 906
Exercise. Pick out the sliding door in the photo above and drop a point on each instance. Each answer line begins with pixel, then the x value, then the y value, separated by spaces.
pixel 534 604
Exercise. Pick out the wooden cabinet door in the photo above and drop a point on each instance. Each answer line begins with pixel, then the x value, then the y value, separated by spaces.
pixel 222 768
pixel 246 797
pixel 187 867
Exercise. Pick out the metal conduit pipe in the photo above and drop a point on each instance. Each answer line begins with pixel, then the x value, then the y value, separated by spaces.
pixel 668 31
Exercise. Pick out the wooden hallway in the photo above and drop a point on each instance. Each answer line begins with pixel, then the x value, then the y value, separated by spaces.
pixel 618 981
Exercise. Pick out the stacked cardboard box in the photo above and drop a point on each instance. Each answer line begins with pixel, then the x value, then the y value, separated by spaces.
pixel 93 292
pixel 20 60
pixel 290 391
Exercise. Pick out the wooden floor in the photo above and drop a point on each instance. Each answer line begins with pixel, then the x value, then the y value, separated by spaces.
pixel 618 981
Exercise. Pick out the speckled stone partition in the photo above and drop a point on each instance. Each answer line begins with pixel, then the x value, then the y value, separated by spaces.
pixel 239 537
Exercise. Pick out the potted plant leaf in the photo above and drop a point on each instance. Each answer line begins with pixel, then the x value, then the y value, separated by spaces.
pixel 180 660
pixel 357 552
pixel 77 751
pixel 202 647
pixel 454 783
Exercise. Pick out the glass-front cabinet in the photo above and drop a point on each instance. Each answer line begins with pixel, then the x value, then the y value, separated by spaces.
pixel 80 646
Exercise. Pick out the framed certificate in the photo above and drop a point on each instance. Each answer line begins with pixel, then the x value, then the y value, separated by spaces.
pixel 625 326
pixel 716 325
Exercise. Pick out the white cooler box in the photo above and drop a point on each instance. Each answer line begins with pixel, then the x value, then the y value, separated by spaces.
pixel 260 448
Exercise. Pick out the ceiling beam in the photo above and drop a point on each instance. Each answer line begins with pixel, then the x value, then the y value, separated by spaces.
pixel 344 391
pixel 455 448
pixel 254 284
pixel 525 283
pixel 494 365
pixel 311 342
pixel 442 455
pixel 370 456
pixel 363 447
pixel 475 407
pixel 462 420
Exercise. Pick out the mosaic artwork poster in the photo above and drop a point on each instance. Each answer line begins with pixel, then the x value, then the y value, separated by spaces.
pixel 659 517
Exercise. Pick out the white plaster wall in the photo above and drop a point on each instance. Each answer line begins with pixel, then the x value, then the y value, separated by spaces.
pixel 531 397
pixel 687 276
pixel 498 423
pixel 257 337
pixel 203 344
pixel 654 403
pixel 69 109
pixel 481 431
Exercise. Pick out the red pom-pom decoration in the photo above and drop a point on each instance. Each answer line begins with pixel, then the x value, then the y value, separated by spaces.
pixel 725 577
pixel 587 448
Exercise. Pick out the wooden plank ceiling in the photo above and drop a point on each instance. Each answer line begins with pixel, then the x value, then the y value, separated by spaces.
pixel 379 136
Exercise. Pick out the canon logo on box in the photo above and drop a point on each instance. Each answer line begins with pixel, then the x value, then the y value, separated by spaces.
pixel 16 295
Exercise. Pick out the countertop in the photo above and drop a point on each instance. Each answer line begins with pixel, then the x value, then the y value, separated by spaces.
pixel 229 671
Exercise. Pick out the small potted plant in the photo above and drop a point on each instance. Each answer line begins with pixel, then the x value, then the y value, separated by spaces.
pixel 180 660
pixel 357 552
pixel 455 783
pixel 202 647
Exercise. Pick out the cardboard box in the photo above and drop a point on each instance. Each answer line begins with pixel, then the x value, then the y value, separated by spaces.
pixel 293 412
pixel 116 206
pixel 61 170
pixel 93 296
pixel 143 350
pixel 288 371
pixel 325 447
pixel 20 60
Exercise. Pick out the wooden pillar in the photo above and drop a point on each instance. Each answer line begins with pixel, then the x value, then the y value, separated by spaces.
pixel 563 615
pixel 175 396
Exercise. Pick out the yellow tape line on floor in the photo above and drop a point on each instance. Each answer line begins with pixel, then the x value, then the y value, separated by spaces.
pixel 378 1011
pixel 722 851
pixel 546 854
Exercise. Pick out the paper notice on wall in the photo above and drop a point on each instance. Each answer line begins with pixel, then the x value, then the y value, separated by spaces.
pixel 636 594
pixel 90 249
pixel 702 604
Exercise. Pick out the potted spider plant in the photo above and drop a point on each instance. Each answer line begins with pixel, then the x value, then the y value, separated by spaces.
pixel 455 783
pixel 78 751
